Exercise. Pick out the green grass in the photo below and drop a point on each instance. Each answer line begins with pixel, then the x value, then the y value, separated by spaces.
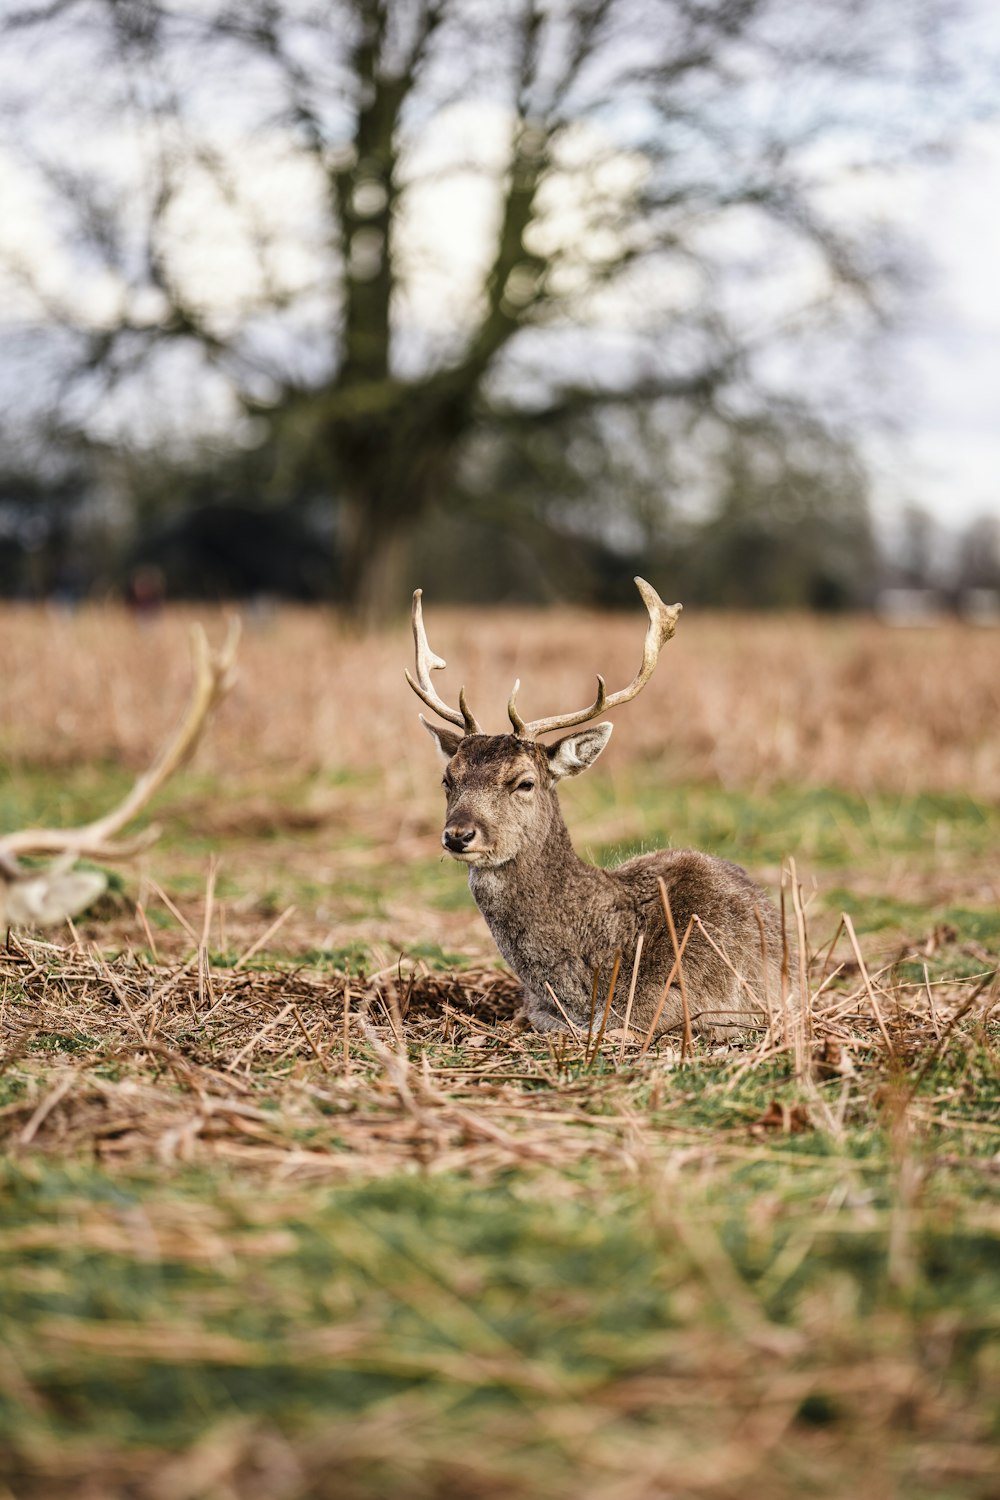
pixel 854 847
pixel 825 826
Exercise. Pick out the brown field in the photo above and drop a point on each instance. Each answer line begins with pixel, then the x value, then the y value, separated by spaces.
pixel 316 768
pixel 746 701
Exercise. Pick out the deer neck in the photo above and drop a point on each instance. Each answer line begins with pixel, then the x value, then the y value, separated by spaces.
pixel 539 891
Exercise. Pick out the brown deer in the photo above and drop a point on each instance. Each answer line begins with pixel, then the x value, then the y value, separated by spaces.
pixel 33 896
pixel 690 939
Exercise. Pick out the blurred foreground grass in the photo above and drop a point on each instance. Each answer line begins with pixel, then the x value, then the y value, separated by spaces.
pixel 796 1323
pixel 817 1322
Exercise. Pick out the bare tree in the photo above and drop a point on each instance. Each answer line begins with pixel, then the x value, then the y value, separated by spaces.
pixel 380 224
pixel 978 561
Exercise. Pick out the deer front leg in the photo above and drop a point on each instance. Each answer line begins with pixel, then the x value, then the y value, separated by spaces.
pixel 541 1012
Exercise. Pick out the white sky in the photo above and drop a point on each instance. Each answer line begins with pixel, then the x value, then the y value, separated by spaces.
pixel 947 368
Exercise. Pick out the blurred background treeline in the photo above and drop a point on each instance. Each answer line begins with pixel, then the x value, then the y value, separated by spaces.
pixel 322 298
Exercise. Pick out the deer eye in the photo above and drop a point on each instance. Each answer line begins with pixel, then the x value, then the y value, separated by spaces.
pixel 527 785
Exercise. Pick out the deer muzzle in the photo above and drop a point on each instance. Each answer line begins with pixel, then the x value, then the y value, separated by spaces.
pixel 459 837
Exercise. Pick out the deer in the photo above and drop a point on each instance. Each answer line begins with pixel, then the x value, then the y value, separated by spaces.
pixel 45 896
pixel 691 939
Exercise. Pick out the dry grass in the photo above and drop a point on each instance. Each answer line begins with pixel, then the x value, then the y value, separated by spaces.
pixel 748 701
pixel 320 1073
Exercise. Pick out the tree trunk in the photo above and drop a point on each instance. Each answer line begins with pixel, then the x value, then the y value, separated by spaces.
pixel 373 546
pixel 391 469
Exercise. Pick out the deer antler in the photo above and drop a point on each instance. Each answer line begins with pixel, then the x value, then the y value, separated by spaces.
pixel 428 662
pixel 662 624
pixel 214 675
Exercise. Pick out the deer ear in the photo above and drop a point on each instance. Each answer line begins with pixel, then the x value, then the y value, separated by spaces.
pixel 570 756
pixel 446 740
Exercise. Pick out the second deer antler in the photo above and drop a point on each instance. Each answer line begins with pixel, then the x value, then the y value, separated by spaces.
pixel 44 896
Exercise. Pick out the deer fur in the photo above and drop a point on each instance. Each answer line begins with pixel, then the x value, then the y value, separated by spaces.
pixel 559 922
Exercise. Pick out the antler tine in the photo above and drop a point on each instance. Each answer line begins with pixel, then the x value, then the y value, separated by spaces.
pixel 662 624
pixel 427 662
pixel 515 718
pixel 564 721
pixel 214 676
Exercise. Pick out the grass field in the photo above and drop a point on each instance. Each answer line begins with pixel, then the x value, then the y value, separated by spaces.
pixel 290 1207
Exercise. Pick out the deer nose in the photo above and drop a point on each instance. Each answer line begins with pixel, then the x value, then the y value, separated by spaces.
pixel 458 836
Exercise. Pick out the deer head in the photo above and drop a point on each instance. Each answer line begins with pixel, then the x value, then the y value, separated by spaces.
pixel 38 897
pixel 501 788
